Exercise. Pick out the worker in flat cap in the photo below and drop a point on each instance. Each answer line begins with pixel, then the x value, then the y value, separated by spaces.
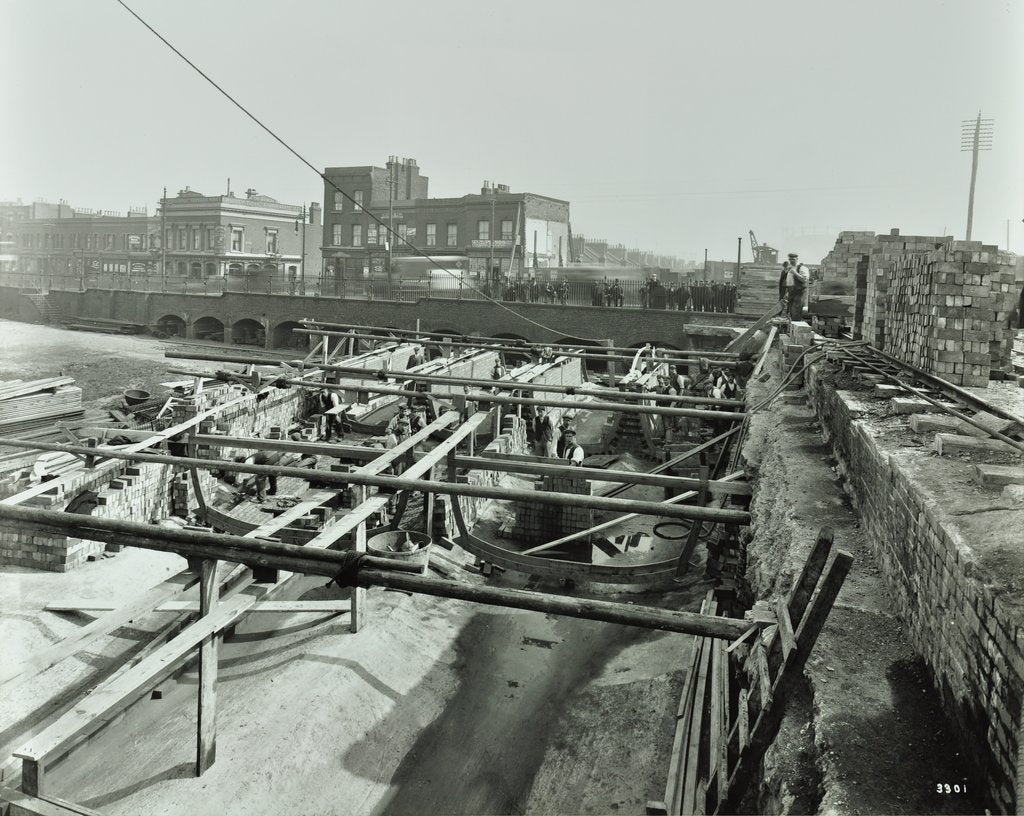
pixel 797 276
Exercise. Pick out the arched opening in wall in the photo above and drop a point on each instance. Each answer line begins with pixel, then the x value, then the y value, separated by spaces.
pixel 170 326
pixel 433 347
pixel 209 328
pixel 515 358
pixel 248 332
pixel 591 365
pixel 196 270
pixel 285 338
pixel 181 268
pixel 211 270
pixel 235 270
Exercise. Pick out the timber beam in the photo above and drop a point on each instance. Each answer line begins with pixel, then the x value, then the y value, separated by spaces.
pixel 333 478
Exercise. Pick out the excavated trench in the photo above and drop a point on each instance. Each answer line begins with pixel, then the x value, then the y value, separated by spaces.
pixel 864 732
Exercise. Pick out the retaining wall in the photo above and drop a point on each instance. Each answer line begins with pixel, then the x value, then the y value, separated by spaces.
pixel 959 602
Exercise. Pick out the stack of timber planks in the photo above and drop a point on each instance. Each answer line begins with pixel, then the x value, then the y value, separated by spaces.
pixel 25 406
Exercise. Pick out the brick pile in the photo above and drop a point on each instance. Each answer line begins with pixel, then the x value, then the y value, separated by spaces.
pixel 538 523
pixel 841 282
pixel 955 612
pixel 887 250
pixel 947 311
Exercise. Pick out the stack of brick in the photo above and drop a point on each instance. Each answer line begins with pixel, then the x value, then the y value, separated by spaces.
pixel 841 283
pixel 538 523
pixel 887 250
pixel 793 345
pixel 757 289
pixel 948 311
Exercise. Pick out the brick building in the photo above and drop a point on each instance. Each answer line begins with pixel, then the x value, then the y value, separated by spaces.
pixel 498 230
pixel 205 237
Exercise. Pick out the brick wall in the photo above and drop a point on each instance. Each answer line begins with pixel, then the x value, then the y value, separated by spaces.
pixel 143 492
pixel 955 615
pixel 947 311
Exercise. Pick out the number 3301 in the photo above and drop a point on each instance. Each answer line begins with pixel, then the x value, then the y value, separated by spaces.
pixel 941 787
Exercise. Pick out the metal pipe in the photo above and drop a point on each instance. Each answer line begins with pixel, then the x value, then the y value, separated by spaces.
pixel 342 480
pixel 330 563
pixel 417 334
pixel 683 360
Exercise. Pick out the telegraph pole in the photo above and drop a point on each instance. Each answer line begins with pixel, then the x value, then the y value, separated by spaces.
pixel 391 182
pixel 163 238
pixel 975 135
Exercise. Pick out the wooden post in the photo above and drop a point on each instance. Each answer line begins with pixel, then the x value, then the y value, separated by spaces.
pixel 428 506
pixel 359 545
pixel 206 747
pixel 683 564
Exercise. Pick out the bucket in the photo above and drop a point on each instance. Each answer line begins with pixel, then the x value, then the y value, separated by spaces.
pixel 136 396
pixel 389 544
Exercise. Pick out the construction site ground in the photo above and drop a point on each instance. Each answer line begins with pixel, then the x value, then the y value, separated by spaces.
pixel 435 706
pixel 866 734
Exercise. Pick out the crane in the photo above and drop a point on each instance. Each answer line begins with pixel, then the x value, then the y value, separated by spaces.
pixel 762 252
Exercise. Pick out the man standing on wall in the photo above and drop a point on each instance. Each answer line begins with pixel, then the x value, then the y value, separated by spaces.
pixel 796 284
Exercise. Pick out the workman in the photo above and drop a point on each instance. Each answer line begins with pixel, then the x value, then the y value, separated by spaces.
pixel 572 452
pixel 324 401
pixel 416 358
pixel 544 434
pixel 401 424
pixel 260 480
pixel 563 428
pixel 796 283
pixel 499 371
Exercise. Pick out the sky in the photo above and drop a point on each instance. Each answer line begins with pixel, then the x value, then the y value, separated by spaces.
pixel 672 126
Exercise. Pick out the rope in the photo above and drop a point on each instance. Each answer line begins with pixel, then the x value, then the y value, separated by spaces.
pixel 348 575
pixel 394 234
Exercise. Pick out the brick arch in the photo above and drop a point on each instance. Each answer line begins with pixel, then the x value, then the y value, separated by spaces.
pixel 248 332
pixel 283 336
pixel 208 328
pixel 171 325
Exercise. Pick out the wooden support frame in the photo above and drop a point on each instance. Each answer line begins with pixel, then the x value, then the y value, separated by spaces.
pixel 209 649
pixel 745 705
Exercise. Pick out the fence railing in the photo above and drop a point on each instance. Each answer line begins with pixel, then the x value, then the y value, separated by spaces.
pixel 629 294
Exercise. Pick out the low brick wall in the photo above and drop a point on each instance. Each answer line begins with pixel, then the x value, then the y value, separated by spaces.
pixel 142 492
pixel 963 621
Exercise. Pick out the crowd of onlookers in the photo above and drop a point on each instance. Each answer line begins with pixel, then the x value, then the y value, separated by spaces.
pixel 696 296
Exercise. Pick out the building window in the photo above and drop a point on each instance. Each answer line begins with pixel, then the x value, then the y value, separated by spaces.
pixel 169 239
pixel 453 235
pixel 506 229
pixel 371 232
pixel 182 238
pixel 211 240
pixel 195 237
pixel 108 241
pixel 46 240
pixel 339 199
pixel 483 229
pixel 237 238
pixel 431 234
pixel 336 235
pixel 403 231
pixel 357 235
pixel 272 241
pixel 135 243
pixel 358 196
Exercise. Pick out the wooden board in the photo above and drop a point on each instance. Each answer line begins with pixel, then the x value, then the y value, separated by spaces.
pixel 270 607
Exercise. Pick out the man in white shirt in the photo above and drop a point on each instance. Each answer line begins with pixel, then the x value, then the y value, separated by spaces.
pixel 572 452
pixel 796 284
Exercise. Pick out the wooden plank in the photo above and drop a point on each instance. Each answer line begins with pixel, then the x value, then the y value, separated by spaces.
pixel 763 358
pixel 275 607
pixel 81 639
pixel 808 580
pixel 688 790
pixel 683 562
pixel 112 695
pixel 22 804
pixel 206 742
pixel 358 593
pixel 310 501
pixel 951 444
pixel 785 628
pixel 760 656
pixel 743 718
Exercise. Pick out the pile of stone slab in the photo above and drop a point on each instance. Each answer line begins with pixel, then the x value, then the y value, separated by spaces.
pixel 947 311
